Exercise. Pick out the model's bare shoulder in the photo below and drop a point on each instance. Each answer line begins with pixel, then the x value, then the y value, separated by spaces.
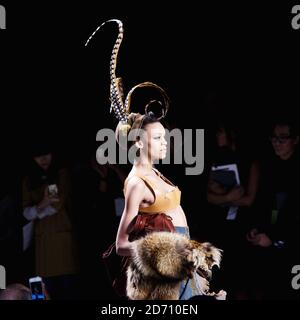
pixel 134 184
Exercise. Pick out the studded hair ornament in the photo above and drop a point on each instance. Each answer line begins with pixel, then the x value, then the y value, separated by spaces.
pixel 120 106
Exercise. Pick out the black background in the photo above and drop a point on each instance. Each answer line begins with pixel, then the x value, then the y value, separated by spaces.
pixel 240 60
pixel 214 59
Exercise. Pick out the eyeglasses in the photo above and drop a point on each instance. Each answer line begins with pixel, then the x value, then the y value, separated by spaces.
pixel 280 139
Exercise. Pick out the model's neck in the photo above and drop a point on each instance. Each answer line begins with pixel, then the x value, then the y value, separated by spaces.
pixel 144 166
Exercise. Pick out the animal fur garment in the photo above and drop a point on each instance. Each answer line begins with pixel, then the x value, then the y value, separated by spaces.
pixel 162 260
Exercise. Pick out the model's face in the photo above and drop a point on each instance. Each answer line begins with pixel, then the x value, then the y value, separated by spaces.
pixel 282 142
pixel 44 161
pixel 154 144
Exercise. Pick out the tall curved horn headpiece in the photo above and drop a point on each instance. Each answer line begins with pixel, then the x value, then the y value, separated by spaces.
pixel 119 105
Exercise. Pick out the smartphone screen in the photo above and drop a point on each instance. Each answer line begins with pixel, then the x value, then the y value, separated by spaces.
pixel 53 191
pixel 36 287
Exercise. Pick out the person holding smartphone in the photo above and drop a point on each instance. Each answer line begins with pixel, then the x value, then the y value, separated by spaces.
pixel 46 202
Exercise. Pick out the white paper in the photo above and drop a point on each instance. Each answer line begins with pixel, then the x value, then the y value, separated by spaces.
pixel 232 212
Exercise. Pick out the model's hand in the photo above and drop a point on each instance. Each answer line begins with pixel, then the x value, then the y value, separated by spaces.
pixel 204 284
pixel 221 295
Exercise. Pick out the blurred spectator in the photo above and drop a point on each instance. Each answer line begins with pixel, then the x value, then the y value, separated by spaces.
pixel 10 224
pixel 15 291
pixel 275 237
pixel 47 202
pixel 230 205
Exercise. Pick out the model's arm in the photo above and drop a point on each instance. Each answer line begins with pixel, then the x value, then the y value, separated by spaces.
pixel 135 193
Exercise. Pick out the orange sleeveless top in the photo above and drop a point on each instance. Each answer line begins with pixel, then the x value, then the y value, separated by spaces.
pixel 163 201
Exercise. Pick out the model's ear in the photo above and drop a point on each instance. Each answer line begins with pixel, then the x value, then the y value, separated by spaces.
pixel 139 144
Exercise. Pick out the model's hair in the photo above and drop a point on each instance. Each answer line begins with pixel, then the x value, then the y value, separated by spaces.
pixel 136 123
pixel 141 122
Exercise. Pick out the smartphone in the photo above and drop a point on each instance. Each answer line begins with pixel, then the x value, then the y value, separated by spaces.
pixel 36 288
pixel 53 191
